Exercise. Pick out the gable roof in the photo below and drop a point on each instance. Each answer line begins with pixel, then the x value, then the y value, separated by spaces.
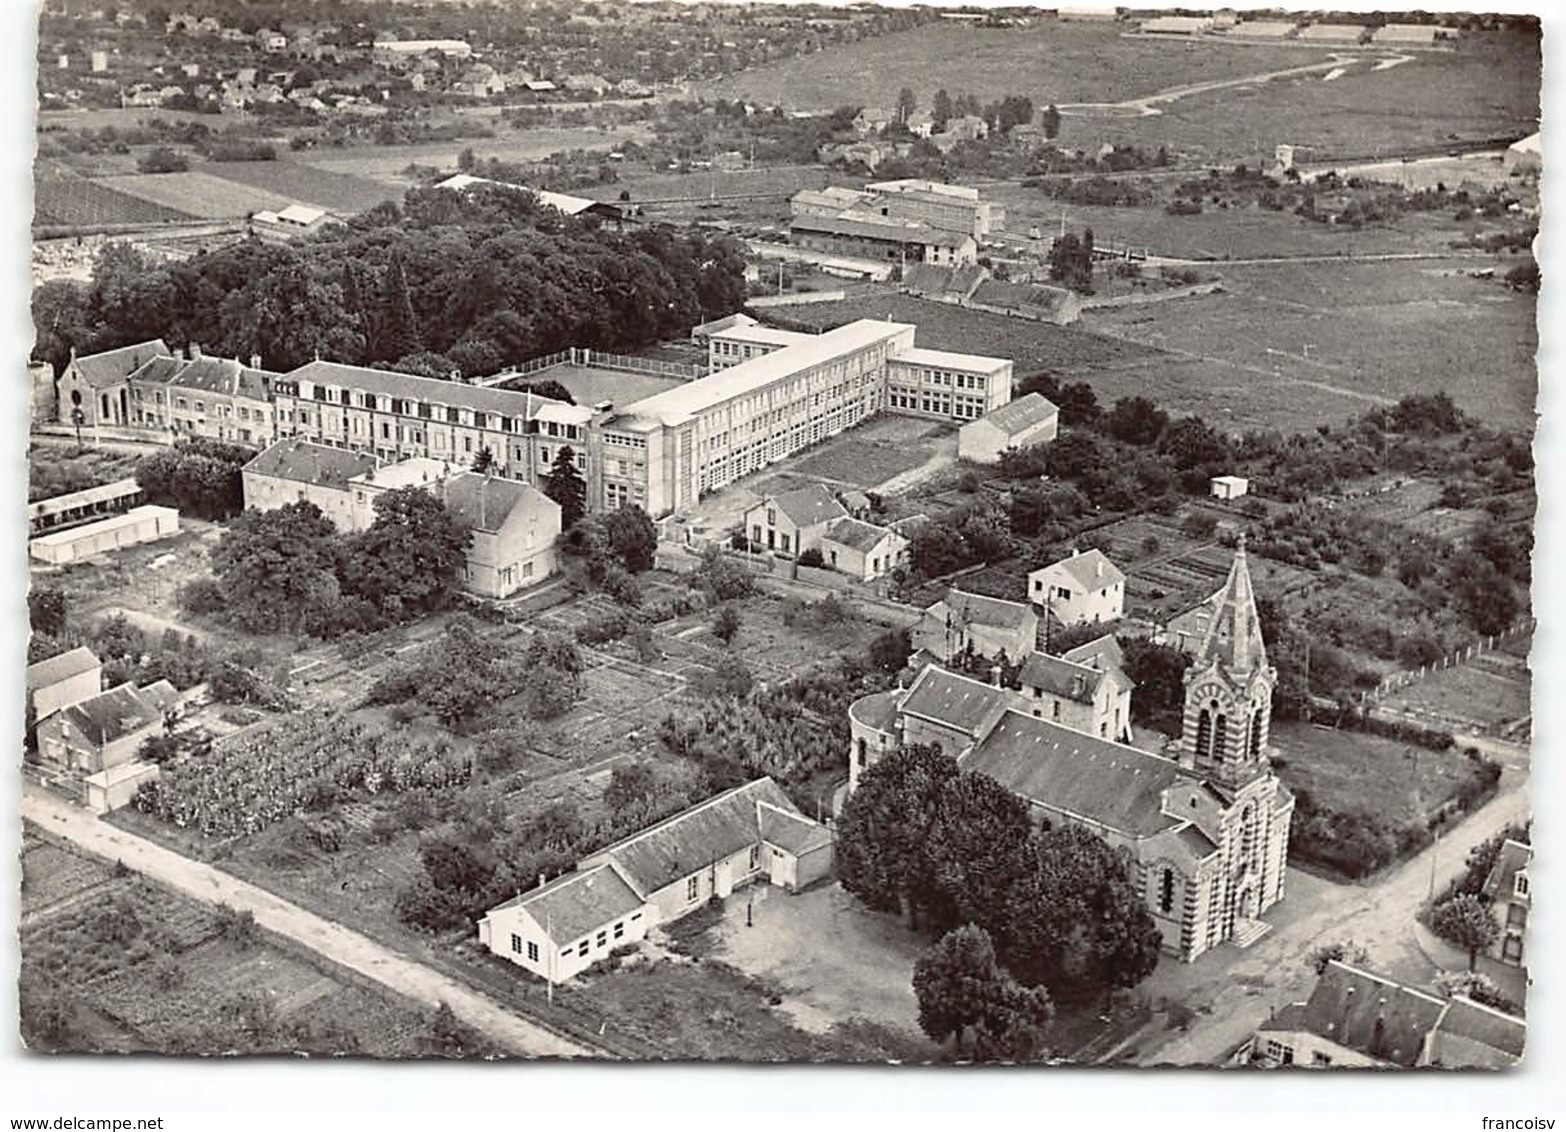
pixel 577 904
pixel 113 366
pixel 1476 1022
pixel 88 496
pixel 1061 677
pixel 486 502
pixel 958 701
pixel 809 505
pixel 679 846
pixel 49 672
pixel 1109 783
pixel 120 711
pixel 1021 414
pixel 979 609
pixel 302 462
pixel 1101 652
pixel 790 831
pixel 878 228
pixel 856 534
pixel 1372 1014
pixel 158 370
pixel 208 375
pixel 1511 860
pixel 482 398
pixel 1090 569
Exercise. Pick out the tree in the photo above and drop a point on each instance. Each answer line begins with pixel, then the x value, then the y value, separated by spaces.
pixel 630 791
pixel 564 484
pixel 1342 951
pixel 278 567
pixel 906 104
pixel 163 159
pixel 726 623
pixel 1466 922
pixel 964 995
pixel 1136 420
pixel 411 559
pixel 484 461
pixel 941 109
pixel 1051 122
pixel 46 610
pixel 1158 672
pixel 397 334
pixel 888 652
pixel 632 537
pixel 1482 857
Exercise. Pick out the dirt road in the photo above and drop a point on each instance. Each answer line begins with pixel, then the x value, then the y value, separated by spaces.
pixel 337 943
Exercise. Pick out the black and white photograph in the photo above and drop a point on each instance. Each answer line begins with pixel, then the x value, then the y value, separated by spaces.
pixel 780 533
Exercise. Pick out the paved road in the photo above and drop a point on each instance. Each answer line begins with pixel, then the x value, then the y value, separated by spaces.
pixel 1242 988
pixel 331 940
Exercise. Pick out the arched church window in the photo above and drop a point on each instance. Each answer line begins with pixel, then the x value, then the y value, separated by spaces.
pixel 1204 734
pixel 1220 734
pixel 1248 831
pixel 1166 888
pixel 1256 734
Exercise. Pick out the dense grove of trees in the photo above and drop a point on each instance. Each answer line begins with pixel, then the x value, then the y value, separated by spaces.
pixel 290 570
pixel 946 847
pixel 199 477
pixel 442 282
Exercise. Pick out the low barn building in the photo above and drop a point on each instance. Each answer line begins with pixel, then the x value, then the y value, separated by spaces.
pixel 61 511
pixel 62 681
pixel 988 626
pixel 861 550
pixel 147 523
pixel 1085 589
pixel 616 895
pixel 1024 422
pixel 1523 157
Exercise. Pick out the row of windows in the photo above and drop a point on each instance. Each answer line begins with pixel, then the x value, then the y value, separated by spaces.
pixel 451 414
pixel 520 946
pixel 948 378
pixel 620 440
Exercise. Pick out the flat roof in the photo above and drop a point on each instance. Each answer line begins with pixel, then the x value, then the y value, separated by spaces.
pixel 972 362
pixel 103 526
pixel 675 405
pixel 103 493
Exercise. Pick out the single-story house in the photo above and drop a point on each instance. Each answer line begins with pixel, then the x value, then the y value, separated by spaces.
pixel 67 510
pixel 146 523
pixel 1086 588
pixel 61 681
pixel 861 550
pixel 1027 421
pixel 1229 487
pixel 794 521
pixel 989 626
pixel 1359 1019
pixel 654 877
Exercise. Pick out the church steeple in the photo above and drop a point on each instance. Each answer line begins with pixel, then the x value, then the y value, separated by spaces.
pixel 1228 688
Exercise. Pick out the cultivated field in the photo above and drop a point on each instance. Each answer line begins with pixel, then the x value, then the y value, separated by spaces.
pixel 1487 693
pixel 200 194
pixel 336 192
pixel 650 187
pixel 589 385
pixel 74 200
pixel 388 163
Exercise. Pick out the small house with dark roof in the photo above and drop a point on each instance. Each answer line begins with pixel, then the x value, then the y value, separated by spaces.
pixel 1095 700
pixel 1022 423
pixel 64 680
pixel 96 385
pixel 1510 897
pixel 1359 1019
pixel 616 895
pixel 1084 589
pixel 297 471
pixel 794 521
pixel 861 550
pixel 514 528
pixel 104 731
pixel 988 626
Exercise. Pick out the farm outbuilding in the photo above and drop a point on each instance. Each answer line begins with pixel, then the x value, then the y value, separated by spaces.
pixel 1407 35
pixel 1523 156
pixel 1333 33
pixel 1029 420
pixel 1177 25
pixel 1230 487
pixel 138 525
pixel 1262 29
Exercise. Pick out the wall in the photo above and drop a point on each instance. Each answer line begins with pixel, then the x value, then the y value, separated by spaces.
pixel 672 900
pixel 267 493
pixel 796 298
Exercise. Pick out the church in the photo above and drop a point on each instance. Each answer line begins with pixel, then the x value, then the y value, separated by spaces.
pixel 1206 823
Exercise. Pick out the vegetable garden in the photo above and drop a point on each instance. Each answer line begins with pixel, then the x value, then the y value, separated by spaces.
pixel 301 762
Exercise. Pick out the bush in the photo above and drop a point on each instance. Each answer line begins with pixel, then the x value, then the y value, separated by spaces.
pixel 602 630
pixel 811 557
pixel 202 596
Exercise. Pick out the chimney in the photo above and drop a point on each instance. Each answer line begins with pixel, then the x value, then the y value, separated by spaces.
pixel 255 361
pixel 1098 569
pixel 1078 686
pixel 540 880
pixel 194 351
pixel 995 675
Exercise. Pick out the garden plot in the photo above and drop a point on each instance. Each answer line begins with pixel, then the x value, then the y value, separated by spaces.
pixel 1484 694
pixel 53 877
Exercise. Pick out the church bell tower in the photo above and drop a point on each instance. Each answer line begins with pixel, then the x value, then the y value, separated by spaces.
pixel 1228 689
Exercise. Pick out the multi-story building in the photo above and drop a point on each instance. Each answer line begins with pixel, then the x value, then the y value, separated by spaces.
pixel 214 398
pixel 951 208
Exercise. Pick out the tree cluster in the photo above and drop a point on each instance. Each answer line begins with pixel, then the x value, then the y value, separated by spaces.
pixel 947 847
pixel 965 994
pixel 290 570
pixel 197 476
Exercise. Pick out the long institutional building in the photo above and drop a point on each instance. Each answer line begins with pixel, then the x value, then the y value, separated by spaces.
pixel 771 393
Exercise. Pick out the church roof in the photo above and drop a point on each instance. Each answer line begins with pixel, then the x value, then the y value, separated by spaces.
pixel 1234 636
pixel 1112 784
pixel 960 702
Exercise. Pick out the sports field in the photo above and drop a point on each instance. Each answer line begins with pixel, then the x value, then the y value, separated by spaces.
pixel 340 193
pixel 198 194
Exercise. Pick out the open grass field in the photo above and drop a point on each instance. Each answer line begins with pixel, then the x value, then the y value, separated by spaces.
pixel 1365 332
pixel 1049 62
pixel 198 193
pixel 589 385
pixel 1353 771
pixel 340 193
pixel 1483 694
pixel 651 186
pixel 75 200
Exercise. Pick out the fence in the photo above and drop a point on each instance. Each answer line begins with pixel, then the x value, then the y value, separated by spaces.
pixel 798 298
pixel 1402 679
pixel 1165 295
